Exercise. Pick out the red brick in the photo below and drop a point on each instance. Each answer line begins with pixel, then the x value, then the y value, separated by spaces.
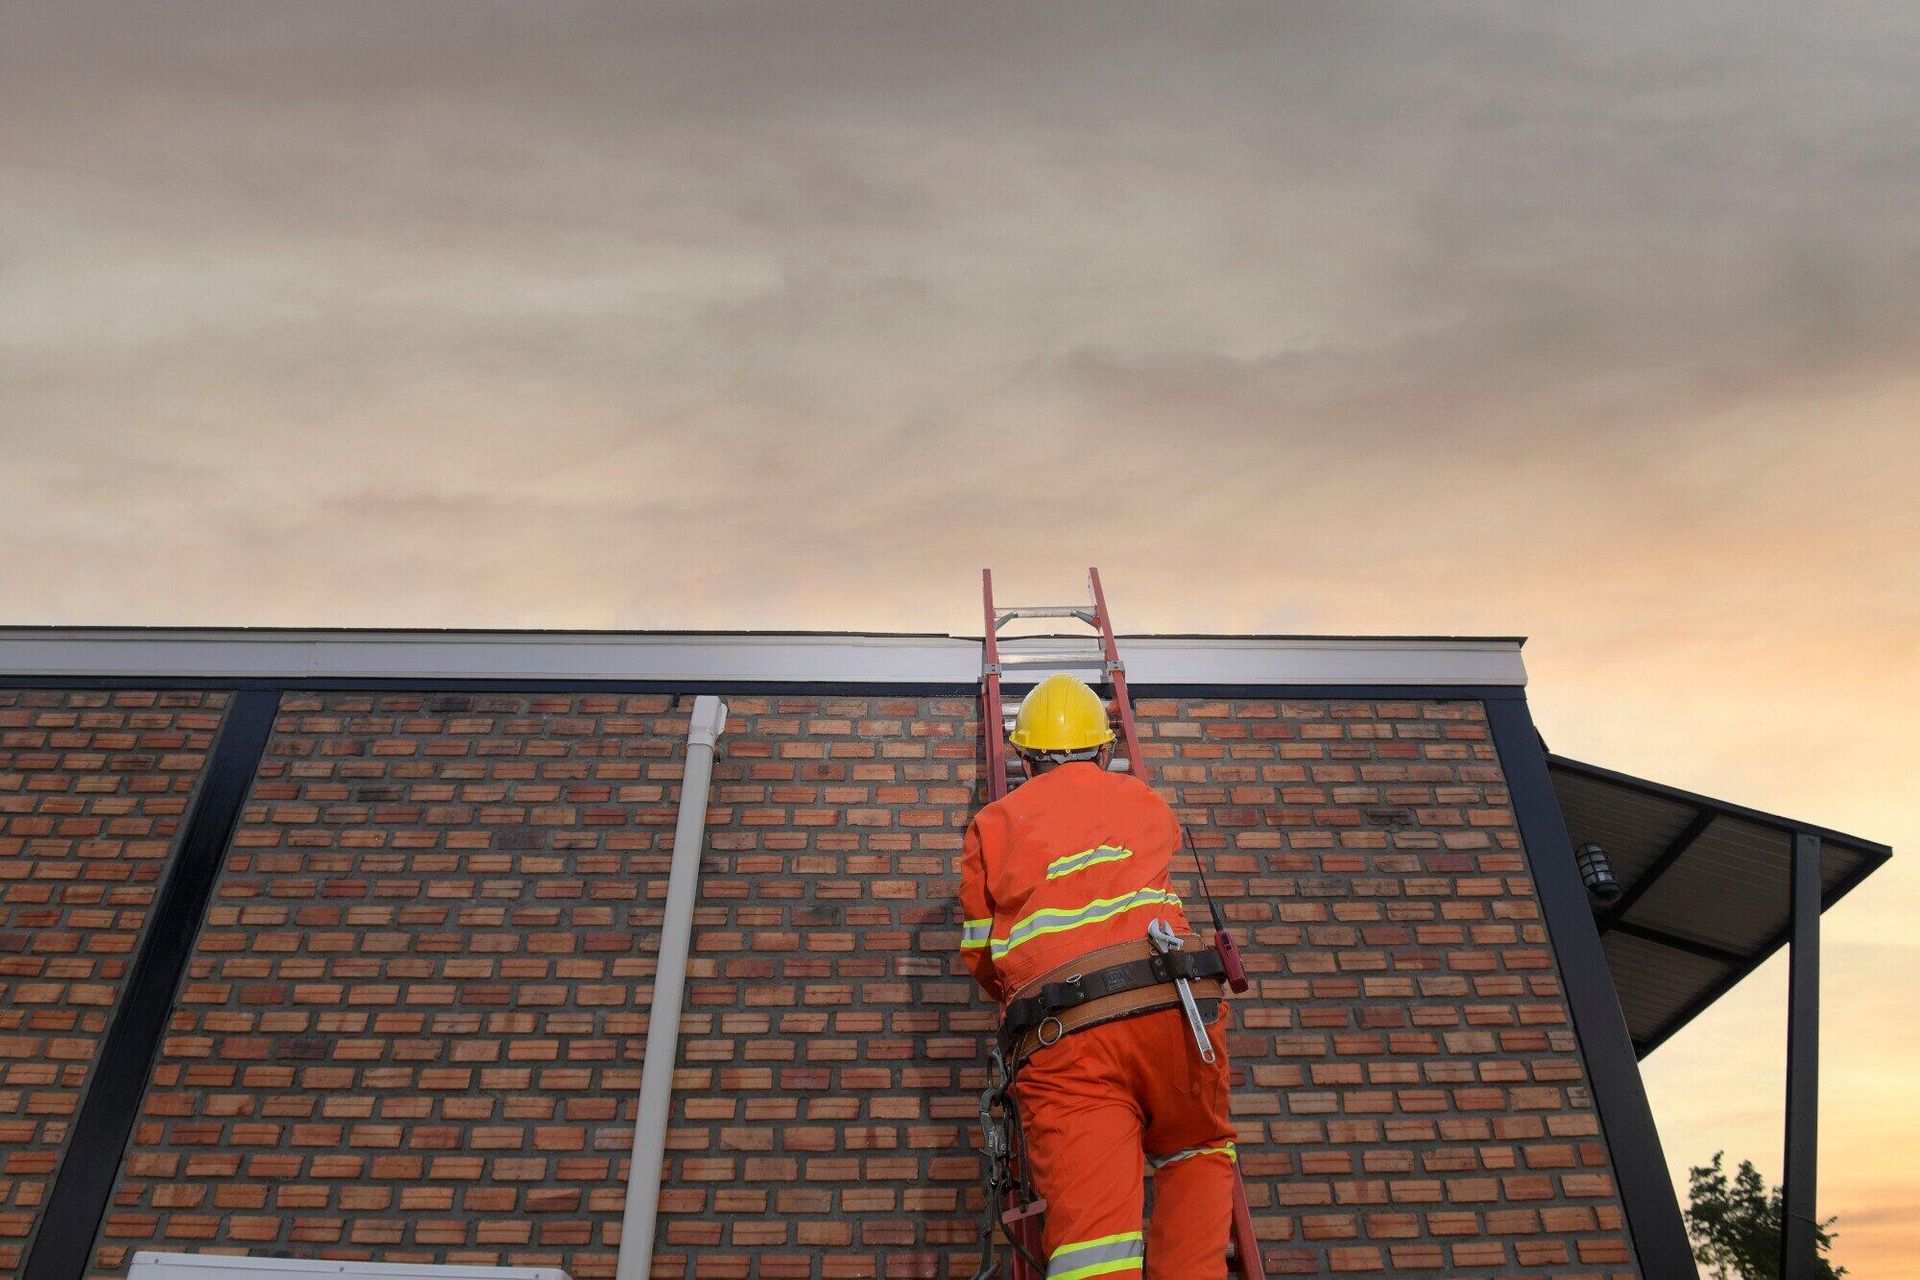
pixel 423 982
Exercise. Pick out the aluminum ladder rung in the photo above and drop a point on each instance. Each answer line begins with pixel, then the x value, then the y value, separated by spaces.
pixel 1003 615
pixel 1016 685
pixel 1115 764
pixel 1064 661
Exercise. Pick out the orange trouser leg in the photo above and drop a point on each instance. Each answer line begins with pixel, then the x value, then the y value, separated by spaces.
pixel 1092 1106
pixel 1080 1109
pixel 1189 1141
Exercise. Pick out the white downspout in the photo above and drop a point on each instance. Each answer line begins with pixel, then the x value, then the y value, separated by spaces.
pixel 669 989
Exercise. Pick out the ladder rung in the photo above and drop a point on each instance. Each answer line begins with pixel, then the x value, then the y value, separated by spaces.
pixel 1002 615
pixel 1118 764
pixel 1063 660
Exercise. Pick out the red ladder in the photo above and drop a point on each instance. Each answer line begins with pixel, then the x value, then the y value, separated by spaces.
pixel 1100 665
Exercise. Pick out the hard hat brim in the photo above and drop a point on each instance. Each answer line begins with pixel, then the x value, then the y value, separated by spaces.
pixel 1026 742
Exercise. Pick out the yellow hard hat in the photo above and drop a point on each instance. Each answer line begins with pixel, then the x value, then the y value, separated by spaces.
pixel 1061 714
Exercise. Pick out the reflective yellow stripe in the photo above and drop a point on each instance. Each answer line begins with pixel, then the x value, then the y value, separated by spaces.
pixel 975 933
pixel 1104 1256
pixel 1229 1151
pixel 1062 919
pixel 1086 858
pixel 1114 1267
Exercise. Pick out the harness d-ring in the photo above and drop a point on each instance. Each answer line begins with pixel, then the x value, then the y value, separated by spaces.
pixel 1040 1033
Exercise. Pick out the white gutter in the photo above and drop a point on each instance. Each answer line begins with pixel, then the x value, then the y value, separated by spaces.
pixel 635 1261
pixel 725 658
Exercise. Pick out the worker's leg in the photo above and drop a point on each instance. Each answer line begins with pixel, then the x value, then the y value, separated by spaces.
pixel 1082 1126
pixel 1190 1142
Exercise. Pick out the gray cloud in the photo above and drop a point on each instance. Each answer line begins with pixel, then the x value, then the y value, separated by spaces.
pixel 843 292
pixel 1599 323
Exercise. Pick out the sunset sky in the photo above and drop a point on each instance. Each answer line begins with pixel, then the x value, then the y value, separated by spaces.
pixel 1598 324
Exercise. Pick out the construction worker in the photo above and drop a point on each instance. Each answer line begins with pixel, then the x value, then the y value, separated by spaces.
pixel 1060 880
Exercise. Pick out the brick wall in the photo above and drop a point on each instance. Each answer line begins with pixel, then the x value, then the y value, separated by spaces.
pixel 413 1022
pixel 1411 1099
pixel 412 1026
pixel 823 1124
pixel 93 788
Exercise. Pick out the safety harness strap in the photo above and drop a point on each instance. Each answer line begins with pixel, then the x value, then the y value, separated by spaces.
pixel 1118 981
pixel 1056 998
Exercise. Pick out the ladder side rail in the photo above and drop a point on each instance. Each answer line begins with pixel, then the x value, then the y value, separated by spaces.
pixel 990 711
pixel 1027 1231
pixel 1247 1261
pixel 1246 1247
pixel 1117 677
pixel 1023 1222
pixel 992 724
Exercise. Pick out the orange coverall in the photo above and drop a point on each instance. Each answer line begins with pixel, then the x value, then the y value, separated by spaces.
pixel 1074 860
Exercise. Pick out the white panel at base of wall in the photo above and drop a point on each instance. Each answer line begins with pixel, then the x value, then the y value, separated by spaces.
pixel 205 1266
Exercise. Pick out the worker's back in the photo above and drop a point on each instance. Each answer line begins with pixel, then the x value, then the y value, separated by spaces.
pixel 1073 860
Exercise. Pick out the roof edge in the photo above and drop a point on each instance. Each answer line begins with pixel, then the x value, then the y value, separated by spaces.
pixel 717 656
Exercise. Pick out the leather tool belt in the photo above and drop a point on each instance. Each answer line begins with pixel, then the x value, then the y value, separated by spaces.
pixel 1120 981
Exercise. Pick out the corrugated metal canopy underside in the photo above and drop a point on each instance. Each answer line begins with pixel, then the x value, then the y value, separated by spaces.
pixel 1707 889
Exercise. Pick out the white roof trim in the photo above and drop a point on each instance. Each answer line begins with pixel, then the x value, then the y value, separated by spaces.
pixel 736 656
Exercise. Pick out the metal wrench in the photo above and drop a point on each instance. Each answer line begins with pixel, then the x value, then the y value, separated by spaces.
pixel 1163 939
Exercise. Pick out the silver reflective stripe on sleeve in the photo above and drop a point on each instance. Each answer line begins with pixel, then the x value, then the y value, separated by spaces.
pixel 975 933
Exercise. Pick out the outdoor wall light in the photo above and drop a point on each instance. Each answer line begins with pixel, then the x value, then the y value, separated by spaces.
pixel 1597 871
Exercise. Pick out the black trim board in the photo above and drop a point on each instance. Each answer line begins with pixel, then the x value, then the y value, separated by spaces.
pixel 1620 1096
pixel 63 1241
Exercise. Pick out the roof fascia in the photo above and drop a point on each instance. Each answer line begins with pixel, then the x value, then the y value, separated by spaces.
pixel 866 659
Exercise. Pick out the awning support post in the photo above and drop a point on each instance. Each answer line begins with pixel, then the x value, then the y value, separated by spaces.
pixel 1798 1254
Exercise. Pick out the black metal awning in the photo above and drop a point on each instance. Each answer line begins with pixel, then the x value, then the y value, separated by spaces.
pixel 1708 889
